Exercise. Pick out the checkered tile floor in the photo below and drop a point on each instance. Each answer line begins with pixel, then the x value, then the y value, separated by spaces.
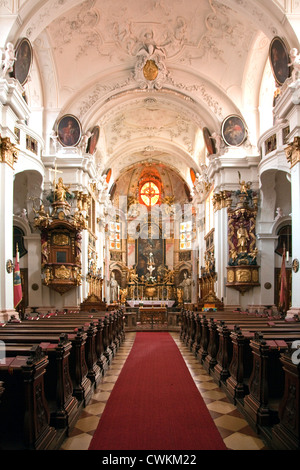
pixel 234 429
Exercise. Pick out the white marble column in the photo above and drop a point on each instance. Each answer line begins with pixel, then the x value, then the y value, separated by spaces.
pixel 35 297
pixel 293 156
pixel 6 232
pixel 221 251
pixel 266 246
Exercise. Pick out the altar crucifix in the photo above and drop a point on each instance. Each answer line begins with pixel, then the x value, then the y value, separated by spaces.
pixel 151 264
pixel 55 170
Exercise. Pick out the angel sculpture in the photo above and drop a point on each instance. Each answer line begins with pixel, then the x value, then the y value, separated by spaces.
pixel 9 59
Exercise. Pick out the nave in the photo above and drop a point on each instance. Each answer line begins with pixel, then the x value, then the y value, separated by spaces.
pixel 234 429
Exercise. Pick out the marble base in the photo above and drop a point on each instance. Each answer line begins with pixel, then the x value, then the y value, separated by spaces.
pixel 5 315
pixel 293 311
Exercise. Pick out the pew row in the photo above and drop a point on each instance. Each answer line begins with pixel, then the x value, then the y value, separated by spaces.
pixel 24 409
pixel 244 355
pixel 79 349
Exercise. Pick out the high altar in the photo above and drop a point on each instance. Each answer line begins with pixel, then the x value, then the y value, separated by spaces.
pixel 154 291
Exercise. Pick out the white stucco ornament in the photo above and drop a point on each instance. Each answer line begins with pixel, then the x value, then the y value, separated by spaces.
pixel 150 69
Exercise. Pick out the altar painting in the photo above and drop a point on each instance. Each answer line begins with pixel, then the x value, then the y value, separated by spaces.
pixel 149 251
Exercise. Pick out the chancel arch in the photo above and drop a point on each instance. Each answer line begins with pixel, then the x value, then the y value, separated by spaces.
pixel 156 205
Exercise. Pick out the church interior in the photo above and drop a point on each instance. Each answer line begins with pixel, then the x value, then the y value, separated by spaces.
pixel 150 182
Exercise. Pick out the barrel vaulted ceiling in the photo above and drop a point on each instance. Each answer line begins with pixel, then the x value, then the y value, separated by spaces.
pixel 212 58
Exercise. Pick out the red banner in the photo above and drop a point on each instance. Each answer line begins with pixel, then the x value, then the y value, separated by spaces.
pixel 17 282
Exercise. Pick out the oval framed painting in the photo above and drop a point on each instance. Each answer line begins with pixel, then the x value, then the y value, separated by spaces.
pixel 69 131
pixel 23 62
pixel 279 60
pixel 208 141
pixel 108 176
pixel 193 175
pixel 93 140
pixel 233 130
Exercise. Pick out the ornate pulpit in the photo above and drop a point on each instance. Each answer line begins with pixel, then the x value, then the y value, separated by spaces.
pixel 60 241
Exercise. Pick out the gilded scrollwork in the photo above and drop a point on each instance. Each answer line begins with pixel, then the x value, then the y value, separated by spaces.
pixel 8 151
pixel 61 239
pixel 62 272
pixel 292 152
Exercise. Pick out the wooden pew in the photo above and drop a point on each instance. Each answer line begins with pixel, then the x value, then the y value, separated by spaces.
pixel 64 407
pixel 68 381
pixel 212 347
pixel 188 332
pixel 114 327
pixel 241 364
pixel 224 354
pixel 24 412
pixel 203 338
pixel 266 381
pixel 58 327
pixel 82 386
pixel 228 356
pixel 104 335
pixel 286 434
pixel 233 361
pixel 260 402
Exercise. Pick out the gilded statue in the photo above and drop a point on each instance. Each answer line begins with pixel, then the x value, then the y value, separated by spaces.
pixel 245 186
pixel 123 295
pixel 60 190
pixel 79 219
pixel 133 277
pixel 44 248
pixel 47 276
pixel 77 275
pixel 41 212
pixel 41 216
pixel 243 238
pixel 179 295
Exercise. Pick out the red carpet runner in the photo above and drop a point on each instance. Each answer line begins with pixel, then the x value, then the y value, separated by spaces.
pixel 155 404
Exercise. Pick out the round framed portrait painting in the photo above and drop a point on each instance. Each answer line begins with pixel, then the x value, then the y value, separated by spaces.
pixel 23 62
pixel 108 176
pixel 233 130
pixel 210 145
pixel 193 175
pixel 93 140
pixel 69 131
pixel 279 60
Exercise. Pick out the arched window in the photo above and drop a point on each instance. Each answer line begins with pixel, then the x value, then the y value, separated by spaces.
pixel 284 240
pixel 149 193
pixel 18 239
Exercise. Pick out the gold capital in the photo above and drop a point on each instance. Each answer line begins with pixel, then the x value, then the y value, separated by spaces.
pixel 292 152
pixel 8 151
